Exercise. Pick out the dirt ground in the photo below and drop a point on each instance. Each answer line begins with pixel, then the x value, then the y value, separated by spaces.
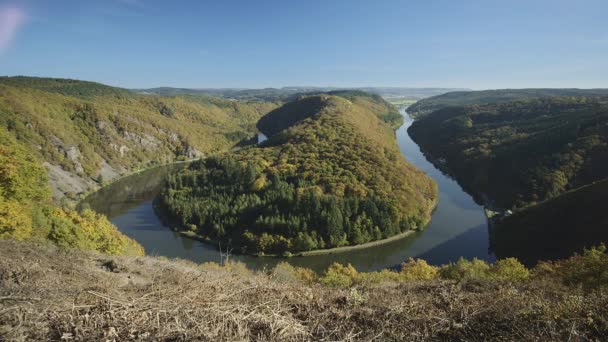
pixel 52 294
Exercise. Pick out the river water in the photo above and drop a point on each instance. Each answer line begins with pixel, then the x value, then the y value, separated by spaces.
pixel 457 229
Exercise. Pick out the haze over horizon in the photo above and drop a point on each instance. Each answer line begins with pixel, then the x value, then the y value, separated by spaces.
pixel 239 44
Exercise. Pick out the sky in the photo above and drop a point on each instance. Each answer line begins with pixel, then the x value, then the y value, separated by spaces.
pixel 478 44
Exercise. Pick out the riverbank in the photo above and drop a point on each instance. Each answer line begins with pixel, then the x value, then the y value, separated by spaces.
pixel 83 197
pixel 491 211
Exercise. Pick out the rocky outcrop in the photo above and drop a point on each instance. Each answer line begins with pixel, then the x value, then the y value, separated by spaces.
pixel 64 183
pixel 145 140
pixel 73 154
pixel 192 153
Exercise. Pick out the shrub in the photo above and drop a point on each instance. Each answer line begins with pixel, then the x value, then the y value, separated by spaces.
pixel 418 269
pixel 379 277
pixel 509 269
pixel 286 273
pixel 15 220
pixel 464 269
pixel 338 275
pixel 90 231
pixel 589 270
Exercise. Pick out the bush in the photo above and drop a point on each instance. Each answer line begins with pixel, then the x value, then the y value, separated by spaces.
pixel 286 273
pixel 589 270
pixel 465 269
pixel 338 275
pixel 379 277
pixel 509 269
pixel 90 231
pixel 418 269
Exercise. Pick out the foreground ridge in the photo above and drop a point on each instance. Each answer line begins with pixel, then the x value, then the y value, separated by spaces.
pixel 70 294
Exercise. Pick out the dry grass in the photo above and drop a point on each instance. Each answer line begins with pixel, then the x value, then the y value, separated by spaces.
pixel 49 294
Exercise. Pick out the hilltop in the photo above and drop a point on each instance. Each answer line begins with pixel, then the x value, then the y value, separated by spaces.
pixel 308 105
pixel 330 175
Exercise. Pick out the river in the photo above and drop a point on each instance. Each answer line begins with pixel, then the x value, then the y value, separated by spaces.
pixel 457 229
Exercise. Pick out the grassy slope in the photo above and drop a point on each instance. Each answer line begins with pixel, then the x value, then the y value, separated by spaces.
pixel 556 228
pixel 460 98
pixel 58 294
pixel 79 127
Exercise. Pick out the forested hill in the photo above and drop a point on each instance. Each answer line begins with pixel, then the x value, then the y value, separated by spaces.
pixel 87 133
pixel 332 177
pixel 521 152
pixel 460 98
pixel 69 87
pixel 308 105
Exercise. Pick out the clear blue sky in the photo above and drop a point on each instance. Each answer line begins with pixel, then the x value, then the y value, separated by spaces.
pixel 224 43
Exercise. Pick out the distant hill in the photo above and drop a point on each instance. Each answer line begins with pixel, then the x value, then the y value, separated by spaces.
pixel 288 93
pixel 460 98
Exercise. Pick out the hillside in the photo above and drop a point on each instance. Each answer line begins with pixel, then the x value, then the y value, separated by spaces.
pixel 290 93
pixel 556 228
pixel 308 105
pixel 27 214
pixel 68 87
pixel 56 294
pixel 87 133
pixel 518 153
pixel 330 175
pixel 461 98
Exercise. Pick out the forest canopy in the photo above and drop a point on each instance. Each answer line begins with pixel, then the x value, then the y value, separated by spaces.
pixel 330 175
pixel 522 152
pixel 462 98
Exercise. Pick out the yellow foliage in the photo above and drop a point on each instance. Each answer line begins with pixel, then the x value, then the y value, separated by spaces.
pixel 418 269
pixel 339 275
pixel 509 269
pixel 286 273
pixel 15 220
pixel 92 231
pixel 259 183
pixel 24 187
